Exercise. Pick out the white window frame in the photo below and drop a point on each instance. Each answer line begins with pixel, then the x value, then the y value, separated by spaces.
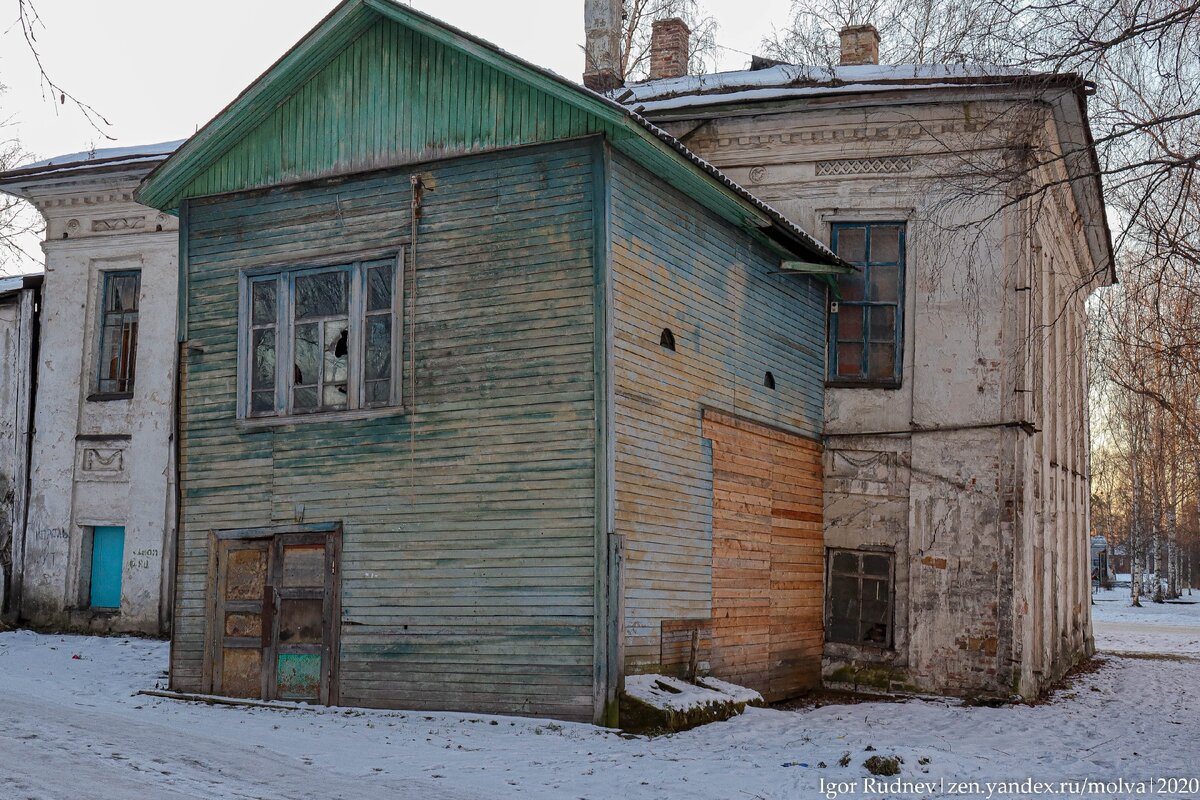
pixel 285 282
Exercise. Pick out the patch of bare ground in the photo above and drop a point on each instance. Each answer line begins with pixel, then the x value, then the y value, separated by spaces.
pixel 1069 684
pixel 819 698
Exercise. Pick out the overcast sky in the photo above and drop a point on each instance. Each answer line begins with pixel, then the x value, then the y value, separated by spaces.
pixel 158 69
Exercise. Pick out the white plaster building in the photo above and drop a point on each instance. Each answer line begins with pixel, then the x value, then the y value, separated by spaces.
pixel 99 529
pixel 956 469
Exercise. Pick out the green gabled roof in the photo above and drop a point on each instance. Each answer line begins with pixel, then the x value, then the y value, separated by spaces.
pixel 379 84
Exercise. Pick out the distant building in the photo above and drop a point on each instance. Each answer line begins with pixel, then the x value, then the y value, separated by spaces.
pixel 99 524
pixel 1102 571
pixel 956 415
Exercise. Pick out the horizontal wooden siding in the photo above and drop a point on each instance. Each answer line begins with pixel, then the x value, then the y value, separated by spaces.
pixel 468 537
pixel 734 317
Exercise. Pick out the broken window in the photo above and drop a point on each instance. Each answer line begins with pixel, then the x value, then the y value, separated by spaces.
pixel 860 597
pixel 322 339
pixel 866 320
pixel 118 332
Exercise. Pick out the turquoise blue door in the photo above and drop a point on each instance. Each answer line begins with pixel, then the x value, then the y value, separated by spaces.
pixel 108 551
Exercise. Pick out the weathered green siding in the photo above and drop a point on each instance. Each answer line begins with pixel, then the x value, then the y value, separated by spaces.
pixel 469 525
pixel 734 317
pixel 393 96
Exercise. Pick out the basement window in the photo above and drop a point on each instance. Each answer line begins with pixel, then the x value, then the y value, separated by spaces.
pixel 321 339
pixel 860 597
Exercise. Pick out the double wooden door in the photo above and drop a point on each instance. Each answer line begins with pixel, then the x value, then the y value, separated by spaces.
pixel 276 616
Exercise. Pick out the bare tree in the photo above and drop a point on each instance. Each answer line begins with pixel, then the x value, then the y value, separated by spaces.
pixel 17 219
pixel 30 23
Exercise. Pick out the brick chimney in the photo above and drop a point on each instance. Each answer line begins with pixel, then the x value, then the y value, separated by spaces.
pixel 669 51
pixel 602 51
pixel 860 45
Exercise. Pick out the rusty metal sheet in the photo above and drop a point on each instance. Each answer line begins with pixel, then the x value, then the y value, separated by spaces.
pixel 298 676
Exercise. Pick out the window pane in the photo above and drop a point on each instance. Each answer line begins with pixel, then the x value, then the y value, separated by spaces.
pixel 335 362
pixel 885 243
pixel 262 303
pixel 882 361
pixel 849 359
pixel 262 402
pixel 852 244
pixel 851 287
pixel 845 562
pixel 850 323
pixel 379 348
pixel 122 293
pixel 379 288
pixel 874 633
pixel 883 324
pixel 877 565
pixel 308 349
pixel 885 284
pixel 264 359
pixel 304 398
pixel 321 295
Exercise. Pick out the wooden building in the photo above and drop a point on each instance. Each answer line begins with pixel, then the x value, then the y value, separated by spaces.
pixel 490 390
pixel 19 298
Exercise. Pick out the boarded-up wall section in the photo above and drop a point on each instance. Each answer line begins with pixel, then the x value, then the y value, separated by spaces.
pixel 767 556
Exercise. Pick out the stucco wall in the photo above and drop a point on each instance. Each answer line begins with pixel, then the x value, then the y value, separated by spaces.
pixel 101 462
pixel 979 491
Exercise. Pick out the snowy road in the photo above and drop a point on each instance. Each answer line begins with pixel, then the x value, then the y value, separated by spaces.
pixel 74 728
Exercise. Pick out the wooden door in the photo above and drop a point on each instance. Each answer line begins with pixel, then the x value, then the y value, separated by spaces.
pixel 242 566
pixel 277 606
pixel 301 612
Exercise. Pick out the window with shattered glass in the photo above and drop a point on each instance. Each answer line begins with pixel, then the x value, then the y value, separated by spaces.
pixel 860 597
pixel 118 332
pixel 323 339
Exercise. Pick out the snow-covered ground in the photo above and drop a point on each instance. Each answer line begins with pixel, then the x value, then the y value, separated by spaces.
pixel 1154 627
pixel 71 726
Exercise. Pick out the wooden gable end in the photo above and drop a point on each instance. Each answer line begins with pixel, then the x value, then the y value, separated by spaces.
pixel 392 96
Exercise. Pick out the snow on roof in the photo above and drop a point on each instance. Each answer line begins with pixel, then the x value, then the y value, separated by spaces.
pixel 15 283
pixel 789 80
pixel 141 152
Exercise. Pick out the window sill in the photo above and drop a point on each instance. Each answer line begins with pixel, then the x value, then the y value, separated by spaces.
pixel 260 423
pixel 104 397
pixel 844 384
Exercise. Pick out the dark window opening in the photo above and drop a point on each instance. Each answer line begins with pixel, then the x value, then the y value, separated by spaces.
pixel 118 331
pixel 769 381
pixel 667 339
pixel 860 598
pixel 866 323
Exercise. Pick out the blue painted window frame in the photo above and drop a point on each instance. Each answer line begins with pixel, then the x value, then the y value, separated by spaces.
pixel 108 557
pixel 126 354
pixel 867 373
